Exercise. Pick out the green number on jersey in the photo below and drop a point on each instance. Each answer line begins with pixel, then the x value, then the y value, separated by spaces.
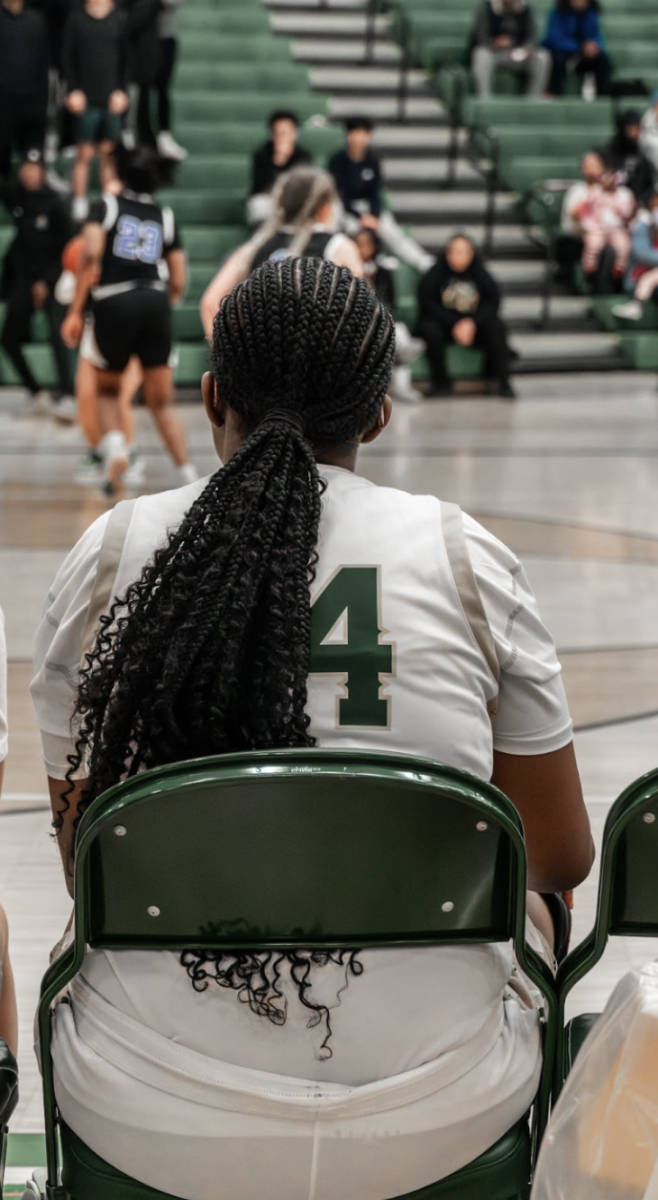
pixel 351 598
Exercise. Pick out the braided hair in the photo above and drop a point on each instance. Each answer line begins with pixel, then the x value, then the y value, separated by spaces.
pixel 208 651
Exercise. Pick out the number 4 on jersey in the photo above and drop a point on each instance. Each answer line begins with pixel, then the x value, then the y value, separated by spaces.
pixel 345 633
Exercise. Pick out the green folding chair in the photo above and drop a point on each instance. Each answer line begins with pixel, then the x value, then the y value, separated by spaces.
pixel 423 854
pixel 627 904
pixel 8 1099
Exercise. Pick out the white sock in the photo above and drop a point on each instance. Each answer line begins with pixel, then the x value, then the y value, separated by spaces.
pixel 113 445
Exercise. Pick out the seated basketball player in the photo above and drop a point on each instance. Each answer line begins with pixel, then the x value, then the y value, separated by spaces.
pixel 432 1054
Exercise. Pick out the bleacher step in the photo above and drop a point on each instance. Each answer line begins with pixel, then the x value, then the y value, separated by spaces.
pixel 363 79
pixel 326 50
pixel 564 348
pixel 322 24
pixel 385 108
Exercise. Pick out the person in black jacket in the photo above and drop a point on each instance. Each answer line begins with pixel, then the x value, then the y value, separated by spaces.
pixel 626 158
pixel 505 35
pixel 94 66
pixel 278 155
pixel 458 302
pixel 31 268
pixel 24 61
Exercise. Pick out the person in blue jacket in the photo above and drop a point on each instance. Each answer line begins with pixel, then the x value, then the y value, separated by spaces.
pixel 574 36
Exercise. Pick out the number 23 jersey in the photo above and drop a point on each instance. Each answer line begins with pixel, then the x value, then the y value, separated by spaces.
pixel 139 233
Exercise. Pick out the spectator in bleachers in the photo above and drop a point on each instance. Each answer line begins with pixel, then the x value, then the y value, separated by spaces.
pixel 30 270
pixel 24 61
pixel 625 155
pixel 380 274
pixel 143 51
pixel 642 275
pixel 575 39
pixel 599 211
pixel 278 155
pixel 504 35
pixel 458 302
pixel 649 135
pixel 8 1013
pixel 95 74
pixel 358 177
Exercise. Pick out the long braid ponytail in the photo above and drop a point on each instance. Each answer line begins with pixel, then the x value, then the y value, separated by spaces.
pixel 208 650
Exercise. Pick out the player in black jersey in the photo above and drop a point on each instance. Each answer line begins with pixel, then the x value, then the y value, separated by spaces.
pixel 303 225
pixel 127 240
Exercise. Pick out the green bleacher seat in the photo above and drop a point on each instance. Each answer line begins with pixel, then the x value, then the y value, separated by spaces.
pixel 210 243
pixel 603 306
pixel 210 48
pixel 270 76
pixel 222 104
pixel 187 322
pixel 244 19
pixel 229 171
pixel 193 360
pixel 206 207
pixel 640 350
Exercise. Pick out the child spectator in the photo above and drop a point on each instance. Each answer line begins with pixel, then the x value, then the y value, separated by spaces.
pixel 24 63
pixel 642 275
pixel 31 268
pixel 95 74
pixel 575 39
pixel 626 158
pixel 458 302
pixel 278 155
pixel 380 274
pixel 358 178
pixel 504 35
pixel 599 210
pixel 649 135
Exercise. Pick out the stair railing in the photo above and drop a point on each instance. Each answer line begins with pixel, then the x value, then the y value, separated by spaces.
pixel 547 195
pixel 403 33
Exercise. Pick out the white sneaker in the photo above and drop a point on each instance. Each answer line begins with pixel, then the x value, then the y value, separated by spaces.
pixel 136 473
pixel 588 90
pixel 402 389
pixel 116 461
pixel 407 348
pixel 80 208
pixel 65 410
pixel 629 312
pixel 39 405
pixel 89 472
pixel 188 474
pixel 168 147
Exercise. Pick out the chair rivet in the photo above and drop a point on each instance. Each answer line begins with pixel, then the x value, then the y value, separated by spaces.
pixel 649 818
pixel 153 910
pixel 448 906
pixel 120 830
pixel 481 826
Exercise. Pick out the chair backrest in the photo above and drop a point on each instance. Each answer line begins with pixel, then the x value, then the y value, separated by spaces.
pixel 628 896
pixel 311 848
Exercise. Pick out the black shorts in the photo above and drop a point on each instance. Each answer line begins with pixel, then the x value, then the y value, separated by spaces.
pixel 136 322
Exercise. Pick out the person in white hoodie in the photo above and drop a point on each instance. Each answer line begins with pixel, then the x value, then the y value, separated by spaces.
pixel 649 134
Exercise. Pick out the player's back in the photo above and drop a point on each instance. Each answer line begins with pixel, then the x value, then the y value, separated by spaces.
pixel 139 232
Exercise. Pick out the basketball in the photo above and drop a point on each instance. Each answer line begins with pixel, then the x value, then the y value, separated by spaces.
pixel 72 255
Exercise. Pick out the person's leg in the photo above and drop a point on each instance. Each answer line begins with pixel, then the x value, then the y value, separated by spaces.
pixel 434 338
pixel 558 73
pixel 482 67
pixel 54 316
pixel 166 69
pixel 8 1009
pixel 603 278
pixel 601 68
pixel 80 173
pixel 593 243
pixel 403 246
pixel 620 240
pixel 646 286
pixel 145 134
pixel 31 128
pixel 491 337
pixel 106 171
pixel 6 137
pixel 539 71
pixel 159 397
pixel 16 332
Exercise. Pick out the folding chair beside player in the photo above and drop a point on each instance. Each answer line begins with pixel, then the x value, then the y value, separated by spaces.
pixel 351 850
pixel 627 904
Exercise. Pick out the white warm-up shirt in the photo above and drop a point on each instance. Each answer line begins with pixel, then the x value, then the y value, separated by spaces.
pixel 433 1058
pixel 4 730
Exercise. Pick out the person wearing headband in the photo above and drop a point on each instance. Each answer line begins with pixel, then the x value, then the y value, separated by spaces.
pixel 285 601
